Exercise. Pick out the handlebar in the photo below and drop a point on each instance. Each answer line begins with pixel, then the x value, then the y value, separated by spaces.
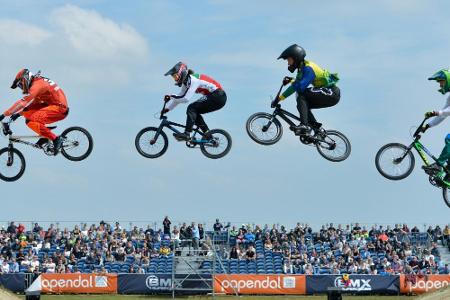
pixel 279 92
pixel 162 111
pixel 5 127
pixel 417 132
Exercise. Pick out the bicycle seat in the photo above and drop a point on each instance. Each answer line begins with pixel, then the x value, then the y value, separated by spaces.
pixel 51 127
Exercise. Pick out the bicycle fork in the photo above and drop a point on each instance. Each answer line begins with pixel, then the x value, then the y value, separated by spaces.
pixel 400 159
pixel 267 126
pixel 10 160
pixel 158 132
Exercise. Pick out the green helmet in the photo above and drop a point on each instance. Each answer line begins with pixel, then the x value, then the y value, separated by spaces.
pixel 442 75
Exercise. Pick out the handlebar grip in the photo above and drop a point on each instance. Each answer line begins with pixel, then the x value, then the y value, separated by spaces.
pixel 15 116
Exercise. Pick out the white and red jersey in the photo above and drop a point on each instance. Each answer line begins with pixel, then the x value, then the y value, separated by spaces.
pixel 195 84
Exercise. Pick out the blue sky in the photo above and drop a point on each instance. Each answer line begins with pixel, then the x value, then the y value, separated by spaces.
pixel 110 58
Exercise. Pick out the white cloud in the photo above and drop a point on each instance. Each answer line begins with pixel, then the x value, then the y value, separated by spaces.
pixel 95 36
pixel 79 47
pixel 14 32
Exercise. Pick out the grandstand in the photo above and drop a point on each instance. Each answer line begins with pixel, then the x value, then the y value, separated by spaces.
pixel 103 248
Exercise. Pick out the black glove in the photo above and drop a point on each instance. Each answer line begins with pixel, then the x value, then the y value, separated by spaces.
pixel 274 103
pixel 2 116
pixel 287 80
pixel 430 114
pixel 15 117
pixel 166 98
pixel 424 128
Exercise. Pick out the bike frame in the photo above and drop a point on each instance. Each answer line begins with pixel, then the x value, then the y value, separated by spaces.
pixel 422 150
pixel 172 126
pixel 285 115
pixel 288 116
pixel 18 139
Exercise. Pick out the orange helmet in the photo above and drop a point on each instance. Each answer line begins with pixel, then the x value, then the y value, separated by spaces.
pixel 23 80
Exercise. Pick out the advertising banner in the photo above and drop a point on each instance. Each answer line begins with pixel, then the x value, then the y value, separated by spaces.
pixel 316 284
pixel 418 284
pixel 144 283
pixel 13 282
pixel 161 283
pixel 78 283
pixel 260 284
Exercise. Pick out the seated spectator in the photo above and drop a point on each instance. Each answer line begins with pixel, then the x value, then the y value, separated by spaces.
pixel 49 266
pixel 25 261
pixel 14 266
pixel 164 250
pixel 249 238
pixel 34 264
pixel 60 267
pixel 234 254
pixel 309 270
pixel 240 237
pixel 446 269
pixel 129 248
pixel 250 254
pixel 268 244
pixel 206 249
pixel 424 264
pixel 4 268
pixel 120 254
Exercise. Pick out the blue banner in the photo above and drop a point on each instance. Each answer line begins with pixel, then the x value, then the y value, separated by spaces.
pixel 13 282
pixel 353 283
pixel 159 283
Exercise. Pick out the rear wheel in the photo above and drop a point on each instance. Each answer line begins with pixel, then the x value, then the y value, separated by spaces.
pixel 334 146
pixel 264 129
pixel 148 146
pixel 391 165
pixel 12 164
pixel 218 145
pixel 77 144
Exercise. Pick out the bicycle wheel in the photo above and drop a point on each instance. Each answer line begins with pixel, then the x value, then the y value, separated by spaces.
pixel 218 146
pixel 12 164
pixel 445 192
pixel 389 163
pixel 334 146
pixel 146 144
pixel 77 144
pixel 264 129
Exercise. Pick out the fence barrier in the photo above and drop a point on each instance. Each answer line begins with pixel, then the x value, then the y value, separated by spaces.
pixel 270 284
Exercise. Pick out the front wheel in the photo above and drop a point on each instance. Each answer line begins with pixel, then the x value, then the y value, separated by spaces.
pixel 149 145
pixel 219 144
pixel 77 143
pixel 264 128
pixel 12 164
pixel 394 161
pixel 334 146
pixel 445 192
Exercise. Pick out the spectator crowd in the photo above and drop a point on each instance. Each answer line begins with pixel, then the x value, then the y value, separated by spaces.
pixel 106 247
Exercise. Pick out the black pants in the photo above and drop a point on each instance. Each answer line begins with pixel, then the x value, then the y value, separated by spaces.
pixel 212 102
pixel 313 98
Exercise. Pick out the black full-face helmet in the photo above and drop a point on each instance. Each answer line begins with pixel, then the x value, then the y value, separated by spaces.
pixel 297 53
pixel 181 70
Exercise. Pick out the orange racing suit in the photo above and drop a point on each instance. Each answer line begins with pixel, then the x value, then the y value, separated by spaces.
pixel 44 104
